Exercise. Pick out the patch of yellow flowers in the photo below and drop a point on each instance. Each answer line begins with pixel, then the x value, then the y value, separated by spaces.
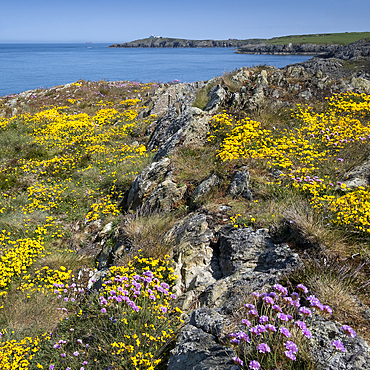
pixel 317 141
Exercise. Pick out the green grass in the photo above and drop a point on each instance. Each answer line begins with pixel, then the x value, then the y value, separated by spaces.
pixel 326 38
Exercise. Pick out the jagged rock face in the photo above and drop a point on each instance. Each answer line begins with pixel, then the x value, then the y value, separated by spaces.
pixel 165 195
pixel 302 49
pixel 357 49
pixel 154 188
pixel 198 345
pixel 198 350
pixel 180 95
pixel 219 272
pixel 192 253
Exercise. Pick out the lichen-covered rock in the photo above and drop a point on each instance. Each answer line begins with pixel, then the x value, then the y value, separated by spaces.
pixel 240 184
pixel 146 182
pixel 209 320
pixel 356 356
pixel 182 95
pixel 204 187
pixel 220 273
pixel 192 253
pixel 198 350
pixel 165 195
pixel 190 128
pixel 217 95
pixel 359 176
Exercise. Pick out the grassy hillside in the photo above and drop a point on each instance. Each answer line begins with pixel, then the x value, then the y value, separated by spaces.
pixel 326 38
pixel 344 38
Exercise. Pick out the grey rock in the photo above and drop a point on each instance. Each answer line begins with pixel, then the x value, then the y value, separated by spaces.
pixel 276 94
pixel 262 82
pixel 240 184
pixel 209 320
pixel 216 273
pixel 96 280
pixel 146 182
pixel 359 176
pixel 241 76
pixel 192 254
pixel 164 196
pixel 180 94
pixel 356 356
pixel 162 130
pixel 217 95
pixel 197 350
pixel 204 187
pixel 255 101
pixel 190 128
pixel 361 84
pixel 244 248
pixel 305 95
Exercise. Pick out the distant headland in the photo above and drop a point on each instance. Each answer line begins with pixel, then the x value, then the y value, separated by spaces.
pixel 317 44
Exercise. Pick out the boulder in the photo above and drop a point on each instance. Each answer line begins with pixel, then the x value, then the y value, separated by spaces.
pixel 217 95
pixel 146 182
pixel 204 187
pixel 165 195
pixel 190 128
pixel 359 176
pixel 356 356
pixel 240 184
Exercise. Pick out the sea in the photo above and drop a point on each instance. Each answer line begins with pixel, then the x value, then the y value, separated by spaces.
pixel 31 66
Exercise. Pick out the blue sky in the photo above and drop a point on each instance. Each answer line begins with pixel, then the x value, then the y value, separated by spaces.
pixel 120 20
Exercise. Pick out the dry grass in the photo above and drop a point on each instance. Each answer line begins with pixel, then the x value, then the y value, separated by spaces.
pixel 29 316
pixel 342 286
pixel 146 234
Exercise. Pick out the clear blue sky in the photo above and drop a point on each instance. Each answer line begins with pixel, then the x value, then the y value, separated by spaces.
pixel 121 20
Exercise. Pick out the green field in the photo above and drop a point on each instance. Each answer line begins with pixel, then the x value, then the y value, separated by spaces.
pixel 325 38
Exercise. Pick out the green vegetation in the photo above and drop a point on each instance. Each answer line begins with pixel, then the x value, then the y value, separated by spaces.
pixel 69 156
pixel 344 38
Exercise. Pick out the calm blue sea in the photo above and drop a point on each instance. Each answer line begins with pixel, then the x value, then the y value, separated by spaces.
pixel 29 66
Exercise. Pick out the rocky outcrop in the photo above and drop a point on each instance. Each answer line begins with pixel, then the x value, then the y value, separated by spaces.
pixel 204 187
pixel 217 267
pixel 217 95
pixel 165 196
pixel 180 96
pixel 198 345
pixel 154 189
pixel 355 50
pixel 301 49
pixel 189 128
pixel 165 42
pixel 198 350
